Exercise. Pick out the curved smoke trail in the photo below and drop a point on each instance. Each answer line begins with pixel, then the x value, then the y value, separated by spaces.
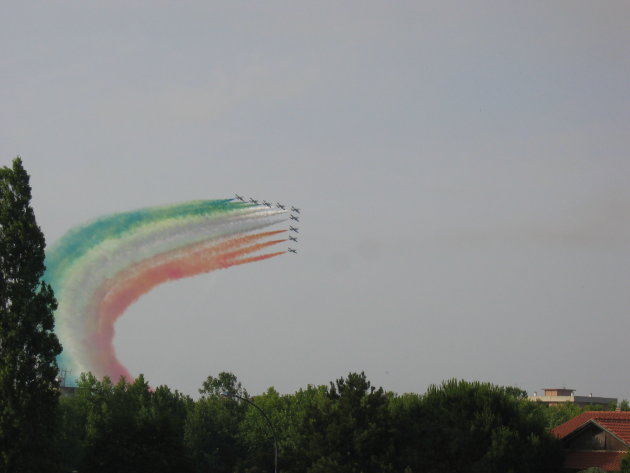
pixel 97 270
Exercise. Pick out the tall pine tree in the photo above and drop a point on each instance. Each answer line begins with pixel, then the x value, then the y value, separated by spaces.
pixel 28 347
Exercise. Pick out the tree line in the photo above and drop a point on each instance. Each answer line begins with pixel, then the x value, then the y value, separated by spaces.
pixel 347 426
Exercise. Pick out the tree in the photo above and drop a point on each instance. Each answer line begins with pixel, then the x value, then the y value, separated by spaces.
pixel 224 384
pixel 292 417
pixel 559 414
pixel 28 347
pixel 480 427
pixel 126 427
pixel 211 433
pixel 348 428
pixel 407 416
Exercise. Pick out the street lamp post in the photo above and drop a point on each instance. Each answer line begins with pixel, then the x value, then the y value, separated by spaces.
pixel 273 431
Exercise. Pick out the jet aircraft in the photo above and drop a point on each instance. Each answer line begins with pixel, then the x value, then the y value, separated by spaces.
pixel 291 250
pixel 292 238
pixel 280 206
pixel 295 209
pixel 266 203
pixel 253 201
pixel 293 217
pixel 293 229
pixel 239 197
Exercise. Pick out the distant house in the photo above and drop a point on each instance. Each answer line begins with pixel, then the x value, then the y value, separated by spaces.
pixel 555 396
pixel 595 439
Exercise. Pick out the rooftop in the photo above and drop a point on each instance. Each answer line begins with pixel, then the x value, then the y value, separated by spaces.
pixel 617 423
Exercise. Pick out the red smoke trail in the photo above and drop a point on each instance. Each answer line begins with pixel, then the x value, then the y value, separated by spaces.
pixel 117 294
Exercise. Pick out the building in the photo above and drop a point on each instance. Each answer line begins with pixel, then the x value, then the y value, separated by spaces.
pixel 555 396
pixel 595 439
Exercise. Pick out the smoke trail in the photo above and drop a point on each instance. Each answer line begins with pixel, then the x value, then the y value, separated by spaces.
pixel 97 270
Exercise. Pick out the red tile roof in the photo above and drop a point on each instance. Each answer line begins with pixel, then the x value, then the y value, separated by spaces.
pixel 609 461
pixel 617 423
pixel 619 427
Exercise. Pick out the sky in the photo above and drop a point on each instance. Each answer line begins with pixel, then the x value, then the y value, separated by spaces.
pixel 462 170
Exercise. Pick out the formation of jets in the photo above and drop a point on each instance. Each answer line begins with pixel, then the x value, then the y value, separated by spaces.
pixel 294 215
pixel 264 202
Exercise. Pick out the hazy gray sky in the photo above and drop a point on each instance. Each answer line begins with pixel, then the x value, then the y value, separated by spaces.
pixel 462 169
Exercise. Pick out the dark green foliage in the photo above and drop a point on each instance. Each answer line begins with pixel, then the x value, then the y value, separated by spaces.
pixel 407 414
pixel 479 427
pixel 125 427
pixel 559 414
pixel 343 428
pixel 71 436
pixel 225 385
pixel 28 347
pixel 346 427
pixel 291 416
pixel 257 435
pixel 350 429
pixel 212 428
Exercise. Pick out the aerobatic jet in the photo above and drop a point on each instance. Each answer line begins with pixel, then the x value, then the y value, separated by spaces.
pixel 293 229
pixel 292 238
pixel 239 197
pixel 266 203
pixel 280 206
pixel 291 250
pixel 295 209
pixel 293 217
pixel 253 201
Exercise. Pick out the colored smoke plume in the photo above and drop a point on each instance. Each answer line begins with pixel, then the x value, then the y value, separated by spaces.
pixel 99 269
